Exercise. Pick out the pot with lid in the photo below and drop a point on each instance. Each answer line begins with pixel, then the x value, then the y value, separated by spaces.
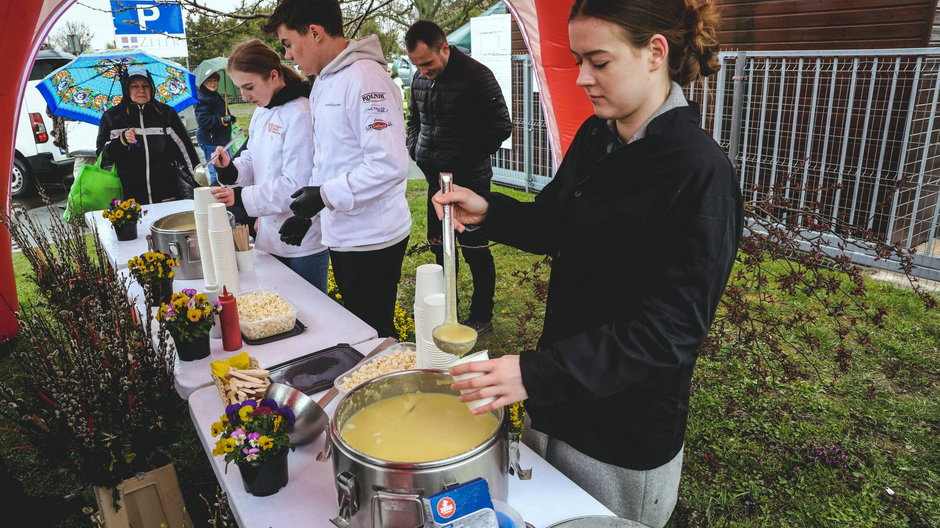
pixel 377 492
pixel 175 235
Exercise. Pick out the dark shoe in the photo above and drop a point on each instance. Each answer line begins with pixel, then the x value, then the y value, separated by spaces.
pixel 482 327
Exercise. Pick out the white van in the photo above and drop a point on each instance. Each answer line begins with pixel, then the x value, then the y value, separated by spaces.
pixel 37 159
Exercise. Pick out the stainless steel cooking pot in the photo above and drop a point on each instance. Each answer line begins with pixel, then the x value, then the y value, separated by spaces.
pixel 376 493
pixel 175 235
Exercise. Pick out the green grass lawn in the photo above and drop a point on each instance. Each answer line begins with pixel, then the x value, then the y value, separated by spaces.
pixel 819 449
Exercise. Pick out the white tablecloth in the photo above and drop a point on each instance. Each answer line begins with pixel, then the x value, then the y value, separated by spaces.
pixel 327 322
pixel 309 499
pixel 120 251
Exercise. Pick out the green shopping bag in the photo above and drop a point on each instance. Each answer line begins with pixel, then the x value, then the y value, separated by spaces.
pixel 94 188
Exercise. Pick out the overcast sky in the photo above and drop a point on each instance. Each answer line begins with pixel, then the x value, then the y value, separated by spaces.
pixel 90 12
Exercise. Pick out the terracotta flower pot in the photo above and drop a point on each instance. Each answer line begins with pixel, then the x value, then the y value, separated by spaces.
pixel 267 478
pixel 126 231
pixel 198 348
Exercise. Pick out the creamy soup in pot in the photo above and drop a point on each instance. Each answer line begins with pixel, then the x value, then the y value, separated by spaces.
pixel 417 427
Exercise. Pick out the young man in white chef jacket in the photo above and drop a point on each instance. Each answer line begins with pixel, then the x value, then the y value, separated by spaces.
pixel 360 160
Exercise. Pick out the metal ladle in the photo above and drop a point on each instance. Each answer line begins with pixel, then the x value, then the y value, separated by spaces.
pixel 201 169
pixel 451 337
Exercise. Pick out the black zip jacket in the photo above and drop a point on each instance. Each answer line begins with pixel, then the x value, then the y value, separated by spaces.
pixel 210 110
pixel 456 121
pixel 643 240
pixel 161 140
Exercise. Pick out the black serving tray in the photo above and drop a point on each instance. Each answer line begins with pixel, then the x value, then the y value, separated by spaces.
pixel 316 371
pixel 298 329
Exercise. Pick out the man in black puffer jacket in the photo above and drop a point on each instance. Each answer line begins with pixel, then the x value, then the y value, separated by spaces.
pixel 457 119
pixel 143 136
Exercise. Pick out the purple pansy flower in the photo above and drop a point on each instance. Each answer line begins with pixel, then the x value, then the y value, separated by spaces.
pixel 189 292
pixel 270 403
pixel 289 416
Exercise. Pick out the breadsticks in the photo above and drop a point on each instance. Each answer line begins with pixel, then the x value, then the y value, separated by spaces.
pixel 244 384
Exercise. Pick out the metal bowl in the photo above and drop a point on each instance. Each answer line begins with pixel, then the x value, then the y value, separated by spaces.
pixel 310 418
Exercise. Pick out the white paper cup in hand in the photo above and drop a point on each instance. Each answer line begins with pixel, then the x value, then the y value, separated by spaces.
pixel 482 355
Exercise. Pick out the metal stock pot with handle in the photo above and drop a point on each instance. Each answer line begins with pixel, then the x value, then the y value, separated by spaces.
pixel 175 235
pixel 378 493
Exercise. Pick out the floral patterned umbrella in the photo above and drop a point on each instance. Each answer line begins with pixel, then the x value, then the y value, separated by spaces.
pixel 84 88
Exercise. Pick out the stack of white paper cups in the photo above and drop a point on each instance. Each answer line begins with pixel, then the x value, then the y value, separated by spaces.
pixel 430 313
pixel 202 196
pixel 212 292
pixel 223 248
pixel 429 280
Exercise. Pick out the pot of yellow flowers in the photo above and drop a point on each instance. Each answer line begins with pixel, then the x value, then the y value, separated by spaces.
pixel 189 317
pixel 124 215
pixel 153 270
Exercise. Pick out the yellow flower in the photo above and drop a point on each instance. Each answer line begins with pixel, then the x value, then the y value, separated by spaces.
pixel 266 442
pixel 125 205
pixel 246 413
pixel 224 420
pixel 104 214
pixel 170 275
pixel 149 256
pixel 228 445
pixel 277 422
pixel 201 298
pixel 193 314
pixel 217 429
pixel 118 213
pixel 219 448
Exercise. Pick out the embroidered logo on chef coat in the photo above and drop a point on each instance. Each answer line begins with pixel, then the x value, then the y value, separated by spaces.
pixel 378 124
pixel 274 129
pixel 372 97
pixel 330 105
pixel 446 507
pixel 376 110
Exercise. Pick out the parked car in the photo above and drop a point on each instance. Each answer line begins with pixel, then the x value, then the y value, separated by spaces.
pixel 36 158
pixel 403 67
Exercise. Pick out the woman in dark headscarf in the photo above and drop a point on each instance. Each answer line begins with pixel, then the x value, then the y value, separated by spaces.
pixel 144 137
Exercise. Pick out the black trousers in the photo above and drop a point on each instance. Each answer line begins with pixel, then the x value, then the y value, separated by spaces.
pixel 479 259
pixel 368 282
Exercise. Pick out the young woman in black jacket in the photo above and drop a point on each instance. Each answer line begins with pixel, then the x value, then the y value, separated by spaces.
pixel 643 220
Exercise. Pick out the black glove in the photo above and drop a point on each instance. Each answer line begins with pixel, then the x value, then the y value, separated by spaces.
pixel 293 230
pixel 307 202
pixel 228 120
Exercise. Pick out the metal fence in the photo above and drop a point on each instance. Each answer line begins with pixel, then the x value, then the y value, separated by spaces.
pixel 854 135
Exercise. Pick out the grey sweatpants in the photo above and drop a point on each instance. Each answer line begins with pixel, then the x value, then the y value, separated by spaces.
pixel 644 496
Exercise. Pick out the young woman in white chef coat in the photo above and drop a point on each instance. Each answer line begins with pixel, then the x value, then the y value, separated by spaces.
pixel 278 159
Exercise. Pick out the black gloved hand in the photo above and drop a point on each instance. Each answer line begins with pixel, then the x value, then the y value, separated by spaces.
pixel 228 120
pixel 307 202
pixel 293 230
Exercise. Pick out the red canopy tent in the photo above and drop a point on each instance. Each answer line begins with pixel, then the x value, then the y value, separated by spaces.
pixel 24 26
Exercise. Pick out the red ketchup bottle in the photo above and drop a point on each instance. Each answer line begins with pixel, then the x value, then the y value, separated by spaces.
pixel 231 332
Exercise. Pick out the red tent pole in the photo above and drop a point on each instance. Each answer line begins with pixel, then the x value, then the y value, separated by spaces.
pixel 23 26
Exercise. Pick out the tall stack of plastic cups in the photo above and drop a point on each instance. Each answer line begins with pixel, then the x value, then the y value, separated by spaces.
pixel 429 280
pixel 223 248
pixel 202 196
pixel 212 292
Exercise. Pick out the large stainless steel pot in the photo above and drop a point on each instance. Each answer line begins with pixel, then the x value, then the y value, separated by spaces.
pixel 376 493
pixel 175 235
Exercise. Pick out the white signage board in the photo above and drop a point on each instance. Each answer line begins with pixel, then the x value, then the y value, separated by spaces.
pixel 491 43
